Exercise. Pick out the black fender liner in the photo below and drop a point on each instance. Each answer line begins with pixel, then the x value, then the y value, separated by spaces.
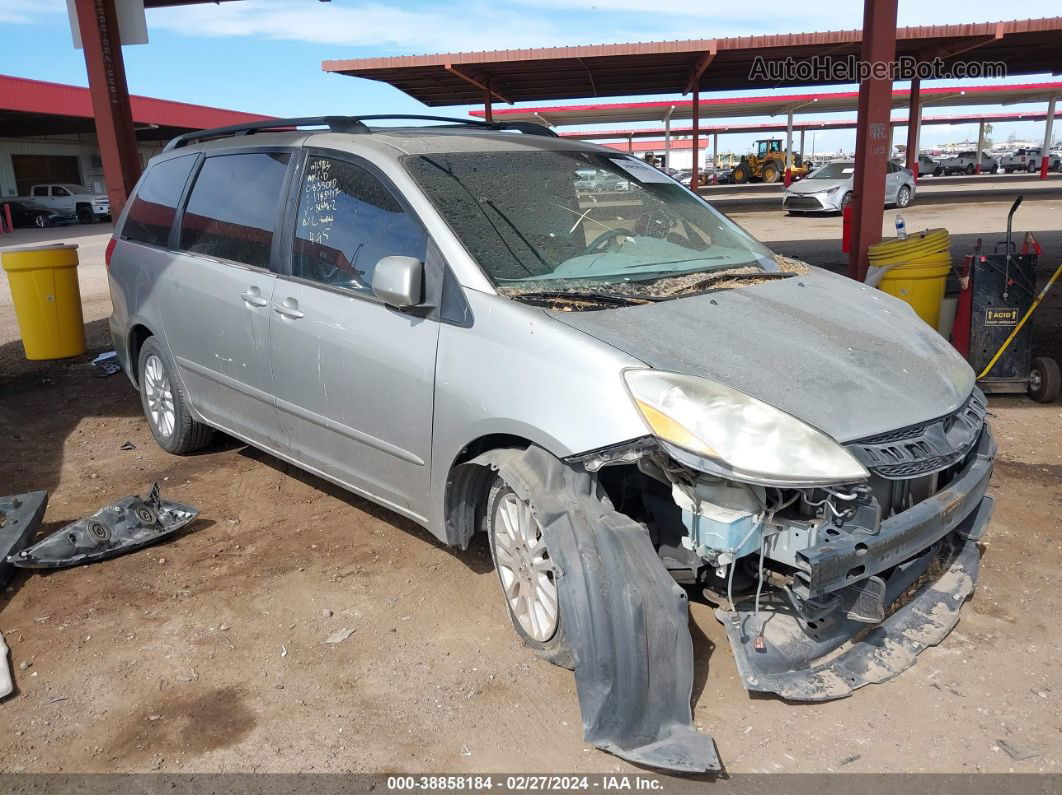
pixel 625 617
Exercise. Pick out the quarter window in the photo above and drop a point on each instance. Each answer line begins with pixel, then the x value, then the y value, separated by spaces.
pixel 347 222
pixel 233 207
pixel 151 213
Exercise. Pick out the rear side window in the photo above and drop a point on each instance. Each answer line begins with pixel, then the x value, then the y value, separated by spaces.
pixel 233 207
pixel 151 213
pixel 40 190
pixel 347 221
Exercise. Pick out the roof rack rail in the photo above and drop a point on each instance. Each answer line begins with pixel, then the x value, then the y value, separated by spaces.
pixel 526 127
pixel 347 124
pixel 333 123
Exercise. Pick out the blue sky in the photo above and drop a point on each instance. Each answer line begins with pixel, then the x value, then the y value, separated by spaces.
pixel 264 55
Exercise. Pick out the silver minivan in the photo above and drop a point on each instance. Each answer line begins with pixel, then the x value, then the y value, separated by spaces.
pixel 634 400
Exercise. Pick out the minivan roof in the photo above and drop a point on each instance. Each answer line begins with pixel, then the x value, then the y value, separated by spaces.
pixel 351 133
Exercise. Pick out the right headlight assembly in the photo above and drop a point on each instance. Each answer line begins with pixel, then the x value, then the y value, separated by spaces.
pixel 746 438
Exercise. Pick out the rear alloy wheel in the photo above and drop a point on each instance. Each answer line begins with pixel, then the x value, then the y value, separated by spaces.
pixel 526 573
pixel 164 404
pixel 903 196
pixel 1045 380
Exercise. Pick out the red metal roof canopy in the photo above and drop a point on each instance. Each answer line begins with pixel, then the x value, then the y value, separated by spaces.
pixel 35 107
pixel 798 126
pixel 1029 46
pixel 774 105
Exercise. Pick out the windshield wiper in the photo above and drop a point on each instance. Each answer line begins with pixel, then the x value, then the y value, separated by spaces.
pixel 554 296
pixel 725 276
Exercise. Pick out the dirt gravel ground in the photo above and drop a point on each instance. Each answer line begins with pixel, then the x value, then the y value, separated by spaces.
pixel 209 652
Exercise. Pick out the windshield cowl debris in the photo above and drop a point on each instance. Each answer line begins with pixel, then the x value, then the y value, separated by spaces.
pixel 580 296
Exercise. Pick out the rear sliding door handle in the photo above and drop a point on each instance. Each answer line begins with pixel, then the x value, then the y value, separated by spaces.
pixel 287 311
pixel 254 298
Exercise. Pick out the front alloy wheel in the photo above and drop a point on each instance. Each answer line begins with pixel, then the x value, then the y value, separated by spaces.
pixel 903 196
pixel 524 568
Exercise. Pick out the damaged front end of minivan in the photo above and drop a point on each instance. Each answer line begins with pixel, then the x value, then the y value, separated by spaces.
pixel 833 566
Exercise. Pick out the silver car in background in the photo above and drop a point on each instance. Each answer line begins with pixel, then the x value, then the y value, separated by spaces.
pixel 632 399
pixel 829 188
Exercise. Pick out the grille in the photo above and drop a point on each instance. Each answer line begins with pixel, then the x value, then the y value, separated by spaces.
pixel 802 203
pixel 926 447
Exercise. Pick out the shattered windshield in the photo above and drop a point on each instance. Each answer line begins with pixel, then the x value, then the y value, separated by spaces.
pixel 565 221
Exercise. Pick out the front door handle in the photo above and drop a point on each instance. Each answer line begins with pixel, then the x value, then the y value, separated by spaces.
pixel 254 297
pixel 287 310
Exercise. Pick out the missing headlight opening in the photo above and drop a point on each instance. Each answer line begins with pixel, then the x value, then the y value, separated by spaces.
pixel 821 589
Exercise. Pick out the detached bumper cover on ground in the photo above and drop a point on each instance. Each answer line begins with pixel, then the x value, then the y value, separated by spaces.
pixel 805 659
pixel 625 617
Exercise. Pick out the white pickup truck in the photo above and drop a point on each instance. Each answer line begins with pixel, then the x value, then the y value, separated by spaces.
pixel 1028 159
pixel 965 163
pixel 87 205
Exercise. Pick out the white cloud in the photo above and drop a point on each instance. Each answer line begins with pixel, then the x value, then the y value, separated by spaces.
pixel 451 26
pixel 28 11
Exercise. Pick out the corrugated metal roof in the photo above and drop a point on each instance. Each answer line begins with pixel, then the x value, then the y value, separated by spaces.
pixel 798 126
pixel 737 107
pixel 36 98
pixel 1028 46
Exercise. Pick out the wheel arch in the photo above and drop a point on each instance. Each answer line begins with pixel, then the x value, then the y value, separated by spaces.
pixel 138 335
pixel 468 483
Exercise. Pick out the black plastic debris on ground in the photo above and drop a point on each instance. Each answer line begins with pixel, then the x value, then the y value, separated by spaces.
pixel 626 619
pixel 123 526
pixel 107 364
pixel 20 516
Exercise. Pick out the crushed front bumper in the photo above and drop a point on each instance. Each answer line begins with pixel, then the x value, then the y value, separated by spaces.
pixel 929 553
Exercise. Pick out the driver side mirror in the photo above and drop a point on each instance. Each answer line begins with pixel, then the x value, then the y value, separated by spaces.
pixel 399 281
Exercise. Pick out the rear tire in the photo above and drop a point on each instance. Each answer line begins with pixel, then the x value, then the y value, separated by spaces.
pixel 938 172
pixel 165 406
pixel 903 196
pixel 529 585
pixel 1045 380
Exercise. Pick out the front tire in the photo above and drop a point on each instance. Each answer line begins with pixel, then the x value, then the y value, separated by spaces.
pixel 85 214
pixel 526 574
pixel 740 175
pixel 165 406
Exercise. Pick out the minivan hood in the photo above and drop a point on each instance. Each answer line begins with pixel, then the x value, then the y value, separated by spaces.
pixel 846 358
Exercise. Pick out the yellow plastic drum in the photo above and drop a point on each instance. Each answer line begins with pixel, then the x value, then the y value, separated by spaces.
pixel 921 286
pixel 47 299
pixel 917 270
